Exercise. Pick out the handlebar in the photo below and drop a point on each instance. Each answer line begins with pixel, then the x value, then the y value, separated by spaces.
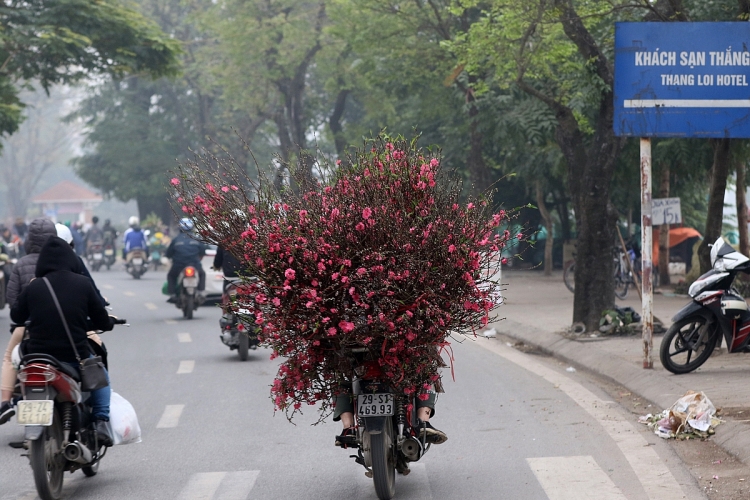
pixel 122 321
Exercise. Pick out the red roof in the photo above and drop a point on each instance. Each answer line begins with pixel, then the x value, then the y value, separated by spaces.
pixel 66 192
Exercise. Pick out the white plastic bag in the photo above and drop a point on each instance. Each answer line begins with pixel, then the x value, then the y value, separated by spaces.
pixel 124 421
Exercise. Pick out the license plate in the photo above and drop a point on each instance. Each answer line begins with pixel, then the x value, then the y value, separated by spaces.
pixel 97 256
pixel 137 262
pixel 35 412
pixel 190 282
pixel 375 405
pixel 109 251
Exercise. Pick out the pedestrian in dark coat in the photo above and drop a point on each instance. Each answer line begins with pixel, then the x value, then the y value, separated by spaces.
pixel 39 231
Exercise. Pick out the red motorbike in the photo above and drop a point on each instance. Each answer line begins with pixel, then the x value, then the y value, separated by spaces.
pixel 59 432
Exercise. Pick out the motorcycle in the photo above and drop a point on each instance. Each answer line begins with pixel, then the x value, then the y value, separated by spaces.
pixel 136 263
pixel 387 428
pixel 235 333
pixel 58 428
pixel 95 256
pixel 717 311
pixel 188 298
pixel 109 254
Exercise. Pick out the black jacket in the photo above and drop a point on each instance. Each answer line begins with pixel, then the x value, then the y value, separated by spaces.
pixel 39 231
pixel 227 262
pixel 78 300
pixel 185 251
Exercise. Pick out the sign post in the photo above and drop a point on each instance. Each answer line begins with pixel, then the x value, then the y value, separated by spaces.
pixel 689 80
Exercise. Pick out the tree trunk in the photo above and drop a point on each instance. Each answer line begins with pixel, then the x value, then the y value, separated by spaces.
pixel 335 123
pixel 742 208
pixel 475 163
pixel 548 225
pixel 715 215
pixel 664 230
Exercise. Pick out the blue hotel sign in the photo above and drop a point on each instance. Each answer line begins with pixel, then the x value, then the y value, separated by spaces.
pixel 682 79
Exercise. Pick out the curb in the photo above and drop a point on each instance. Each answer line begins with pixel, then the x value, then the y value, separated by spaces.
pixel 651 386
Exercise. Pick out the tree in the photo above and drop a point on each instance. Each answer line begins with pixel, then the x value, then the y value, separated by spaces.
pixel 63 41
pixel 41 143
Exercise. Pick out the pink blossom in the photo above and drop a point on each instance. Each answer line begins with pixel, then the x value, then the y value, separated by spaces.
pixel 346 326
pixel 451 248
pixel 469 206
pixel 519 236
pixel 359 227
pixel 366 213
pixel 276 302
pixel 234 188
pixel 225 189
pixel 504 261
pixel 361 271
pixel 331 332
pixel 290 274
pixel 434 162
pixel 175 181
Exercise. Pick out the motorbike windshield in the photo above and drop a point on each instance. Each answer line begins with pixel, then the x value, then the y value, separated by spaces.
pixel 719 249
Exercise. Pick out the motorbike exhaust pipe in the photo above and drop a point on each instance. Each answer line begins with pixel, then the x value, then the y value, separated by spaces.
pixel 412 449
pixel 76 452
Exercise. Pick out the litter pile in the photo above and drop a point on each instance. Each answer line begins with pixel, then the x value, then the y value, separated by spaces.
pixel 691 416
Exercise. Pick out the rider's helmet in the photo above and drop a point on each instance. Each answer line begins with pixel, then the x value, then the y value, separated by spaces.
pixel 186 224
pixel 95 219
pixel 107 222
pixel 133 221
pixel 63 232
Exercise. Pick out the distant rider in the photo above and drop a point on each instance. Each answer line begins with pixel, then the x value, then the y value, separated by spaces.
pixel 95 235
pixel 185 251
pixel 133 238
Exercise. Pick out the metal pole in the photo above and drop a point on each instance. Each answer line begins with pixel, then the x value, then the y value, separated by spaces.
pixel 647 297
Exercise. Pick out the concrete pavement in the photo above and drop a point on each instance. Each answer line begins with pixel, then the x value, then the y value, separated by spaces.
pixel 539 308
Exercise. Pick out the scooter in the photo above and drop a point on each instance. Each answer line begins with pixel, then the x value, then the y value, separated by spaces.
pixel 188 298
pixel 236 333
pixel 109 254
pixel 136 263
pixel 95 256
pixel 717 311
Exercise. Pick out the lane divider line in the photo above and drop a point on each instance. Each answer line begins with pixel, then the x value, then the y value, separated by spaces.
pixel 129 294
pixel 171 416
pixel 170 321
pixel 186 366
pixel 574 478
pixel 655 477
pixel 150 306
pixel 108 287
pixel 237 485
pixel 184 337
pixel 202 486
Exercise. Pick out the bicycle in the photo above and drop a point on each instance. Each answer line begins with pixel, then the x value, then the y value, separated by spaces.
pixel 622 274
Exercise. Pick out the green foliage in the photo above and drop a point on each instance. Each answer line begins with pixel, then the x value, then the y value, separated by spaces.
pixel 62 41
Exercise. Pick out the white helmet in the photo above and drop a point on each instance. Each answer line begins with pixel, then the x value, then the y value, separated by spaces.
pixel 133 221
pixel 63 232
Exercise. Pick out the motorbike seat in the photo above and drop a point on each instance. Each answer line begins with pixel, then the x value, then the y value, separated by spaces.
pixel 50 360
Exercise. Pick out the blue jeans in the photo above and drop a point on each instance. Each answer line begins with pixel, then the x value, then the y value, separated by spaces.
pixel 99 399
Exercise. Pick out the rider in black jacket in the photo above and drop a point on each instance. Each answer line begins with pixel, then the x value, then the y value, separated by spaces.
pixel 185 251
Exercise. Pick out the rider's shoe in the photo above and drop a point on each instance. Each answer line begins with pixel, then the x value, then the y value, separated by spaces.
pixel 7 410
pixel 104 432
pixel 172 299
pixel 347 438
pixel 431 434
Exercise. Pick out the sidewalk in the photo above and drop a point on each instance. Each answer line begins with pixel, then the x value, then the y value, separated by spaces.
pixel 537 308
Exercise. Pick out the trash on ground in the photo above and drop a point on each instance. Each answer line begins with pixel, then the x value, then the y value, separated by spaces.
pixel 691 416
pixel 490 334
pixel 570 369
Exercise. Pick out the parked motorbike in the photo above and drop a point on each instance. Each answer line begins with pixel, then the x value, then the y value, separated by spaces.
pixel 236 333
pixel 717 310
pixel 387 437
pixel 109 254
pixel 136 263
pixel 95 256
pixel 58 428
pixel 188 298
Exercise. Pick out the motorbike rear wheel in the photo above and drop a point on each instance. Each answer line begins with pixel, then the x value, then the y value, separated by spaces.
pixel 188 306
pixel 621 286
pixel 244 346
pixel 383 463
pixel 688 344
pixel 47 461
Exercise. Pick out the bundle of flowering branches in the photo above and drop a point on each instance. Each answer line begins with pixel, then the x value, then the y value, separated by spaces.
pixel 378 251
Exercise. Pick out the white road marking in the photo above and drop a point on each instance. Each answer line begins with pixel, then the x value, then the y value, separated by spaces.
pixel 237 485
pixel 202 486
pixel 170 321
pixel 184 337
pixel 170 417
pixel 150 306
pixel 574 478
pixel 129 294
pixel 108 287
pixel 186 366
pixel 219 485
pixel 655 477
